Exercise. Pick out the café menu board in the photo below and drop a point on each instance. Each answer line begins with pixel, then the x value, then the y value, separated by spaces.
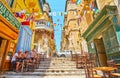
pixel 9 16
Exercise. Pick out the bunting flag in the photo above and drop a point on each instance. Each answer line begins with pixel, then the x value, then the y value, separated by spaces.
pixel 73 1
pixel 54 13
pixel 57 13
pixel 60 13
pixel 78 1
pixel 65 13
pixel 52 36
pixel 50 14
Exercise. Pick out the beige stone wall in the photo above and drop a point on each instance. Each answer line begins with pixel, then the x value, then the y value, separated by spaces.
pixel 83 25
pixel 102 3
pixel 70 35
pixel 117 3
pixel 75 39
pixel 71 15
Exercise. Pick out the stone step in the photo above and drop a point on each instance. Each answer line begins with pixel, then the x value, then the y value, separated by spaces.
pixel 55 71
pixel 57 62
pixel 59 70
pixel 46 73
pixel 66 59
pixel 54 65
pixel 6 76
pixel 66 67
pixel 52 68
pixel 57 65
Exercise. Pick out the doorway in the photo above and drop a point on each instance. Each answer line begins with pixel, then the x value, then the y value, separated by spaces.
pixel 3 45
pixel 101 53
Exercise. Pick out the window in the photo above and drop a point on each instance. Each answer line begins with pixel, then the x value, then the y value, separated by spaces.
pixel 10 2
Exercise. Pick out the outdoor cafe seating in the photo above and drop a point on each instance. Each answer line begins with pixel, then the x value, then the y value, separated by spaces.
pixel 30 66
pixel 90 67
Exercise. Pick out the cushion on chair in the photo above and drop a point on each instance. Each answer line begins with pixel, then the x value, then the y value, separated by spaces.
pixel 116 74
pixel 97 76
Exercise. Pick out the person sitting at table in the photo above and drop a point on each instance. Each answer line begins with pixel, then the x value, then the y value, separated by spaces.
pixel 16 60
pixel 25 56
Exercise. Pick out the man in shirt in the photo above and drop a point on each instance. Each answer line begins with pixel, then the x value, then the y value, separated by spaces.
pixel 16 60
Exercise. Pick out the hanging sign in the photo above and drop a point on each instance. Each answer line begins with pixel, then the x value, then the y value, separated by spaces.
pixel 9 16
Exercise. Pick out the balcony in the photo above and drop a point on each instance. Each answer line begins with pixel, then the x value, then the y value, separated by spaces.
pixel 43 26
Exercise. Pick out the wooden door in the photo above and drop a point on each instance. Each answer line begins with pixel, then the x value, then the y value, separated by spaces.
pixel 101 51
pixel 8 55
pixel 2 51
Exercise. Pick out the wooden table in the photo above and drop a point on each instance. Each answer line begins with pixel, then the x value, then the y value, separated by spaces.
pixel 117 65
pixel 106 70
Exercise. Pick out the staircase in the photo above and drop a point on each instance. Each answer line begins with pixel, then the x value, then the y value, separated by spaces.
pixel 51 68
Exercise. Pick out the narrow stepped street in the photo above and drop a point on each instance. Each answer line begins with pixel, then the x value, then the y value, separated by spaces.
pixel 51 68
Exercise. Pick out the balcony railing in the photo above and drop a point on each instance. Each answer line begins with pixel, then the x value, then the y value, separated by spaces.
pixel 42 26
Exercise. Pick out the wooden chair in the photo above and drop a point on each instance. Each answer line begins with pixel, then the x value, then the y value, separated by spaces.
pixel 111 63
pixel 74 56
pixel 116 75
pixel 37 61
pixel 90 73
pixel 80 60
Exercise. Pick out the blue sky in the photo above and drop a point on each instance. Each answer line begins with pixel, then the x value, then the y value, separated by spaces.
pixel 57 6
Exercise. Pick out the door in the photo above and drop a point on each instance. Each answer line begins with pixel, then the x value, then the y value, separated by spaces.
pixel 101 51
pixel 2 50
